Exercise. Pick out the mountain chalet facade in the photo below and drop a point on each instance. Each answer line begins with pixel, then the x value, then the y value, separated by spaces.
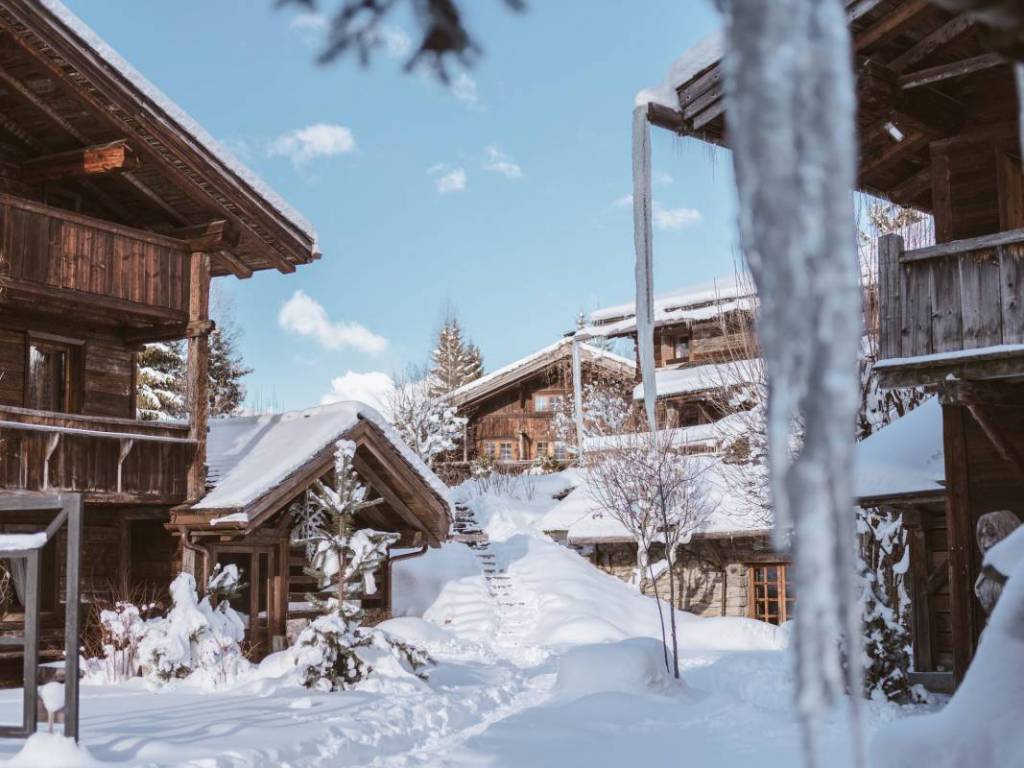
pixel 116 212
pixel 511 412
pixel 939 131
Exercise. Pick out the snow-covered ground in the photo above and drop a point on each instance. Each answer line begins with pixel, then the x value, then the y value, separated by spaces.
pixel 542 661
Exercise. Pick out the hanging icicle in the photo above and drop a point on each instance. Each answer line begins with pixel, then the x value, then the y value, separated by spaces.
pixel 791 104
pixel 643 244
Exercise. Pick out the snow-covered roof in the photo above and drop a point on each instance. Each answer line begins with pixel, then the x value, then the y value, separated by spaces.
pixel 176 115
pixel 534 362
pixel 585 521
pixel 691 304
pixel 249 456
pixel 904 457
pixel 699 378
pixel 708 437
pixel 693 62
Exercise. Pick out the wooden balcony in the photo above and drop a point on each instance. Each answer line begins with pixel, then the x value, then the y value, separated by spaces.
pixel 109 460
pixel 57 262
pixel 951 311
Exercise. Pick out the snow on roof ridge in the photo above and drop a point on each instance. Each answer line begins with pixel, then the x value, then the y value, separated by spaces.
pixel 691 63
pixel 185 122
pixel 591 351
pixel 717 289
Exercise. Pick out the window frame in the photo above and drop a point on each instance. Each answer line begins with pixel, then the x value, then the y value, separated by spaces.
pixel 73 384
pixel 501 451
pixel 784 602
pixel 540 449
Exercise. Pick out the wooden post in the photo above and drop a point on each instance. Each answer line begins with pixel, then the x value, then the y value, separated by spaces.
pixel 890 248
pixel 73 506
pixel 198 371
pixel 960 528
pixel 31 640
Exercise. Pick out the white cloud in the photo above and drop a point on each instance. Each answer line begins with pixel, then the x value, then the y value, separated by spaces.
pixel 622 202
pixel 313 141
pixel 372 388
pixel 463 88
pixel 674 218
pixel 448 179
pixel 305 316
pixel 662 179
pixel 499 162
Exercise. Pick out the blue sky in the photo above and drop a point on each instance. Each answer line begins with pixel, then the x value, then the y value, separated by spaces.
pixel 518 253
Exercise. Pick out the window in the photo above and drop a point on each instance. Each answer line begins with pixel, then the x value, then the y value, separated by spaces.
pixel 48 376
pixel 545 403
pixel 540 450
pixel 681 349
pixel 505 452
pixel 772 593
pixel 491 450
pixel 561 452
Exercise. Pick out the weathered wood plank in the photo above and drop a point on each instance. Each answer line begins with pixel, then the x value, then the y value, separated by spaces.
pixel 916 315
pixel 947 321
pixel 966 245
pixel 1011 268
pixel 942 72
pixel 979 299
pixel 890 342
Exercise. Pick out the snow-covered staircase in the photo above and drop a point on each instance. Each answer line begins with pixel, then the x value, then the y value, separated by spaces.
pixel 514 618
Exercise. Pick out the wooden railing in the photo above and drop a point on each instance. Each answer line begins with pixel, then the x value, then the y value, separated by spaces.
pixel 962 297
pixel 107 459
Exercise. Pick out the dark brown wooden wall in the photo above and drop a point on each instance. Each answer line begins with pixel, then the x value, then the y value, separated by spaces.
pixel 106 376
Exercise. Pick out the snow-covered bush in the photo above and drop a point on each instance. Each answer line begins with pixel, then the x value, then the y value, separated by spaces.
pixel 193 639
pixel 122 629
pixel 884 562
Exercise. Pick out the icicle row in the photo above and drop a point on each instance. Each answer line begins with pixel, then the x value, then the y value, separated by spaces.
pixel 643 244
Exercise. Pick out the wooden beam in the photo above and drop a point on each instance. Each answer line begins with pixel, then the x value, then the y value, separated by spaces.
pixel 666 117
pixel 234 265
pixel 989 394
pixel 1007 448
pixel 392 498
pixel 889 24
pixel 198 379
pixel 857 9
pixel 911 143
pixel 219 235
pixel 86 161
pixel 966 245
pixel 942 72
pixel 928 45
pixel 913 186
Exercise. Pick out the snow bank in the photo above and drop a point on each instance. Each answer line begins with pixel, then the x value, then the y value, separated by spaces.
pixel 53 751
pixel 630 666
pixel 981 725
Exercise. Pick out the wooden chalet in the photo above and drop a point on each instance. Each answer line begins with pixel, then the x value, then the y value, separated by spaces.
pixel 116 211
pixel 511 411
pixel 703 345
pixel 939 131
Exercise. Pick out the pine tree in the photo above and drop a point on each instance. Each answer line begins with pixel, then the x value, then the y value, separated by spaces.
pixel 455 361
pixel 343 560
pixel 227 393
pixel 161 381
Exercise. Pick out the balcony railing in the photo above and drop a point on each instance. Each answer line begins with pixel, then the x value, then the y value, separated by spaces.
pixel 954 309
pixel 107 459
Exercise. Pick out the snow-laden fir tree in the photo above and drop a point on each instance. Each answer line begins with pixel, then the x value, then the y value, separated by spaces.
pixel 426 422
pixel 454 361
pixel 343 559
pixel 161 381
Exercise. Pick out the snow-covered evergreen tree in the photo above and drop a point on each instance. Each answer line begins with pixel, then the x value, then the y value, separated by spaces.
pixel 161 381
pixel 454 361
pixel 428 424
pixel 344 560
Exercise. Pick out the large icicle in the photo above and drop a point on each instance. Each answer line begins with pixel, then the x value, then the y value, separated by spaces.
pixel 643 244
pixel 791 105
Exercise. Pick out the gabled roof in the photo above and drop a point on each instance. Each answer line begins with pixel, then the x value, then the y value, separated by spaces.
pixel 67 89
pixel 254 460
pixel 693 379
pixel 904 458
pixel 690 304
pixel 585 520
pixel 534 363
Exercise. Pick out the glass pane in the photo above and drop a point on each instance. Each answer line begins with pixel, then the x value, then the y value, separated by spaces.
pixel 47 366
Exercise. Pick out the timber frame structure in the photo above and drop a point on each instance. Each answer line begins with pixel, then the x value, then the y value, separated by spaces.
pixel 117 211
pixel 939 131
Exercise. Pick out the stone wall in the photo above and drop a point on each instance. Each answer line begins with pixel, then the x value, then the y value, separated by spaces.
pixel 712 577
